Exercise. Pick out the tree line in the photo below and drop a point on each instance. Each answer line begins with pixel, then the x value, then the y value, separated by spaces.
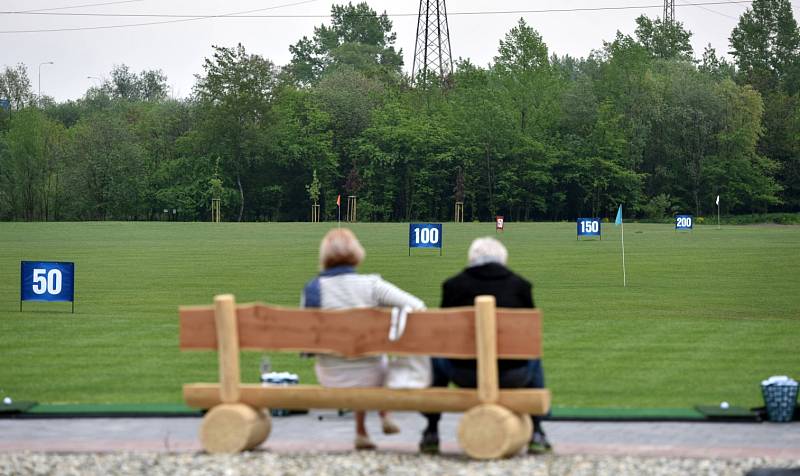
pixel 642 121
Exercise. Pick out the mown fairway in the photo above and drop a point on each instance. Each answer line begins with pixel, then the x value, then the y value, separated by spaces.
pixel 706 315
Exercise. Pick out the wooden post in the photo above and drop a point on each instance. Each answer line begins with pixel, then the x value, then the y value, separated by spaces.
pixel 459 212
pixel 351 208
pixel 216 214
pixel 227 347
pixel 486 343
pixel 315 213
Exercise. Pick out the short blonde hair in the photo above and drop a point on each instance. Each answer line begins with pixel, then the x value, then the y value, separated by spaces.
pixel 487 250
pixel 340 247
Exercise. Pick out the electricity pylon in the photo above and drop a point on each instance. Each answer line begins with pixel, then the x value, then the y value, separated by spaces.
pixel 669 11
pixel 432 55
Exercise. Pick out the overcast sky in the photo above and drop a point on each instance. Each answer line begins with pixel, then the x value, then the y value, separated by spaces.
pixel 178 48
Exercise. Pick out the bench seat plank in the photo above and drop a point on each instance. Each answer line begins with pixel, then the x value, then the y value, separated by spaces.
pixel 359 332
pixel 297 397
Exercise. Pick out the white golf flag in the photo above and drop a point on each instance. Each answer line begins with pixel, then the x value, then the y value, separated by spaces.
pixel 717 199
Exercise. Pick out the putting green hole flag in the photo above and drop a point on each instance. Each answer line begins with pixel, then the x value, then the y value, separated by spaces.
pixel 618 221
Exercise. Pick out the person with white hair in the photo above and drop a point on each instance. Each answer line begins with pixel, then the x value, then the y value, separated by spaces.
pixel 338 286
pixel 486 274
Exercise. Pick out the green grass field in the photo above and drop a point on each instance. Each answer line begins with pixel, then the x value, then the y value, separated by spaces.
pixel 706 315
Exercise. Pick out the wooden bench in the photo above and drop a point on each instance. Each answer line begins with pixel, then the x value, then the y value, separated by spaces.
pixel 495 424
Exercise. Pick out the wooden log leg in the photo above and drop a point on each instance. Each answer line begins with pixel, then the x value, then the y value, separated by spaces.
pixel 261 429
pixel 524 435
pixel 489 431
pixel 233 427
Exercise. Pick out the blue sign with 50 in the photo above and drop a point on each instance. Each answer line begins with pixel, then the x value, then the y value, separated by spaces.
pixel 47 281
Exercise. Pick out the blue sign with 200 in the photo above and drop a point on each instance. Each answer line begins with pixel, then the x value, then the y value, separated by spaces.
pixel 684 222
pixel 424 235
pixel 47 281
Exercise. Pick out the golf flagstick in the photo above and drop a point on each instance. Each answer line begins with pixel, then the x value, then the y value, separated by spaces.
pixel 624 275
pixel 619 222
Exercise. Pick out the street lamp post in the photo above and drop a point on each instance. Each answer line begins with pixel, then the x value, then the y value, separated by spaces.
pixel 40 80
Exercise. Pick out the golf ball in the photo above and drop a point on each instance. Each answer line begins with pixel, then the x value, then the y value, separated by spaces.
pixel 7 400
pixel 724 405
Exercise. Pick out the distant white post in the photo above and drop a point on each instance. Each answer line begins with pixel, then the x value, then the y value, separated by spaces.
pixel 624 275
pixel 619 222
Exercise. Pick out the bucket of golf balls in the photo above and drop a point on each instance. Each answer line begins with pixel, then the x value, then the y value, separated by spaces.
pixel 780 397
pixel 279 378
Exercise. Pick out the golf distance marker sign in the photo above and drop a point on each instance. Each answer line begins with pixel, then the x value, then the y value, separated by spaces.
pixel 684 222
pixel 50 281
pixel 588 227
pixel 424 235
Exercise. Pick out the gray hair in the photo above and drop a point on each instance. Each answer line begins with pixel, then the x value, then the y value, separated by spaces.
pixel 487 250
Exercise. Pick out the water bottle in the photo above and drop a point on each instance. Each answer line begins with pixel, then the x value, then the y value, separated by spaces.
pixel 266 367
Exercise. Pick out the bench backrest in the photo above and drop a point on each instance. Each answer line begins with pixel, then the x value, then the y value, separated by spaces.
pixel 467 332
pixel 360 332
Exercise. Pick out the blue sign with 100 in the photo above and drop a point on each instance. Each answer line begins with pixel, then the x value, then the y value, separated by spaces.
pixel 424 235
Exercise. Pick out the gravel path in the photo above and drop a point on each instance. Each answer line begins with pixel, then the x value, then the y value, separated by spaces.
pixel 381 463
pixel 321 444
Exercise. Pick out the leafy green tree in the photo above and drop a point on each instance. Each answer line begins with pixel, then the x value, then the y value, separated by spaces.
pixel 124 84
pixel 593 168
pixel 303 149
pixel 105 162
pixel 524 72
pixel 766 46
pixel 780 142
pixel 688 98
pixel 406 159
pixel 663 39
pixel 737 170
pixel 234 97
pixel 482 121
pixel 718 68
pixel 313 188
pixel 158 126
pixel 624 76
pixel 16 87
pixel 31 166
pixel 349 98
pixel 357 37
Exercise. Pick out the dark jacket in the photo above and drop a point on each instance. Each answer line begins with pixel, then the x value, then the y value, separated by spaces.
pixel 509 290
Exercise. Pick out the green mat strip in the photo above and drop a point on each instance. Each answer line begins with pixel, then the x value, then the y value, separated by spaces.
pixel 179 409
pixel 142 409
pixel 567 413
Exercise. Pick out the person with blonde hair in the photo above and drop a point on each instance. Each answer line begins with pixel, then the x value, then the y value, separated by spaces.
pixel 338 286
pixel 487 274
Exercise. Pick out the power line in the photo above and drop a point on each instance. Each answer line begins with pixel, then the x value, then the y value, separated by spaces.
pixel 318 15
pixel 248 15
pixel 240 14
pixel 710 10
pixel 79 6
